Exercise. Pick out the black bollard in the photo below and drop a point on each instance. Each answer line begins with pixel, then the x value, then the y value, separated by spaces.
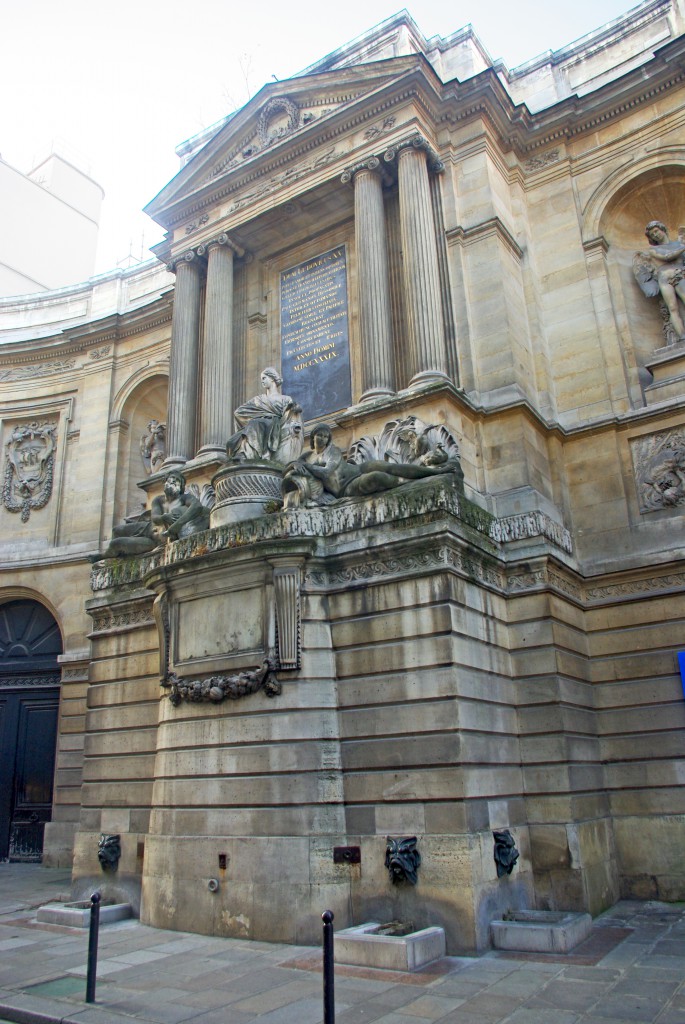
pixel 328 968
pixel 93 946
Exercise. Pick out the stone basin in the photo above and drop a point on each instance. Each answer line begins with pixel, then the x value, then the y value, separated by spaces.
pixel 364 945
pixel 540 931
pixel 77 915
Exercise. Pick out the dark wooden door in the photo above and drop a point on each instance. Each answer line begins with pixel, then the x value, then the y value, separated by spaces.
pixel 29 703
pixel 28 731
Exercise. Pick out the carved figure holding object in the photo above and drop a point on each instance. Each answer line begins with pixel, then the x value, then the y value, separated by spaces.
pixel 661 271
pixel 323 474
pixel 179 513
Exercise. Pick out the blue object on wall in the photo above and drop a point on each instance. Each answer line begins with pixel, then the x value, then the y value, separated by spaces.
pixel 681 666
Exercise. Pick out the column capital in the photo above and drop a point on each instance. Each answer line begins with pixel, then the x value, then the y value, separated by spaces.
pixel 412 142
pixel 189 256
pixel 222 239
pixel 371 163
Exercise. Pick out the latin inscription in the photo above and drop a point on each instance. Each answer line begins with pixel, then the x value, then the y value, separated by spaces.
pixel 315 351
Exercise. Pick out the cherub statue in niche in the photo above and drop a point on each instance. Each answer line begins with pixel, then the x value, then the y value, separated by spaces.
pixel 661 271
pixel 153 446
pixel 269 426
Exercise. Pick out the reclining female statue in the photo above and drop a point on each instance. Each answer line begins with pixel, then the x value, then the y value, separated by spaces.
pixel 324 472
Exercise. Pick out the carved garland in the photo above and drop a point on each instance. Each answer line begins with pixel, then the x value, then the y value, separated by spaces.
pixel 274 106
pixel 218 688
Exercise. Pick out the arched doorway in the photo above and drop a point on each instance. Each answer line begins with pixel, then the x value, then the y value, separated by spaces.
pixel 30 641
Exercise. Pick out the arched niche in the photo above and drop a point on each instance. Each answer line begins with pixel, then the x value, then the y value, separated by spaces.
pixel 145 400
pixel 656 193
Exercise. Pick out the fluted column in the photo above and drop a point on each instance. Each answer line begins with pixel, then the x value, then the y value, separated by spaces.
pixel 216 413
pixel 421 270
pixel 378 370
pixel 183 371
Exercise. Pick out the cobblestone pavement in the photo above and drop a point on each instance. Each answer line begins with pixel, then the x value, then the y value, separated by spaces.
pixel 632 968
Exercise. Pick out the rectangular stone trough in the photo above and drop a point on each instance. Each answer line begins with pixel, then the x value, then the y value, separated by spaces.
pixel 540 931
pixel 364 947
pixel 77 915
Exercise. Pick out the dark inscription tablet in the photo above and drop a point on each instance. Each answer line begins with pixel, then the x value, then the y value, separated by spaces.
pixel 315 351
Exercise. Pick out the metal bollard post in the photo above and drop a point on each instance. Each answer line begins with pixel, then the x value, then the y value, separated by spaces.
pixel 93 946
pixel 328 968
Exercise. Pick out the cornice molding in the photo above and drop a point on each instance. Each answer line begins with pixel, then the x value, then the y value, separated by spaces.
pixel 81 338
pixel 492 226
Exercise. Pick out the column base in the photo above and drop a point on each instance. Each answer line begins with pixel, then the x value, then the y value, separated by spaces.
pixel 211 452
pixel 173 462
pixel 428 377
pixel 373 393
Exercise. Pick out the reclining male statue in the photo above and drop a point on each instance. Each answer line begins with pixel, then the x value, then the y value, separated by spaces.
pixel 178 514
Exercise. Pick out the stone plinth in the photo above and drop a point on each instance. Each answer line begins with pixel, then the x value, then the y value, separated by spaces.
pixel 667 367
pixel 242 491
pixel 77 915
pixel 541 931
pixel 364 946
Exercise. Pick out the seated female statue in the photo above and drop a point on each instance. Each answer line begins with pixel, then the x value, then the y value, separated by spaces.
pixel 269 426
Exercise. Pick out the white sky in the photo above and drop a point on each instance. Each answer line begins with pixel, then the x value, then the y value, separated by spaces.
pixel 116 86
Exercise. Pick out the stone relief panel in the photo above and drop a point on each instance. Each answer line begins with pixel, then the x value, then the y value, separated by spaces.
pixel 279 181
pixel 659 465
pixel 33 370
pixel 29 467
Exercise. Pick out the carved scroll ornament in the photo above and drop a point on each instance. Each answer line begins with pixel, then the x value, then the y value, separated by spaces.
pixel 29 466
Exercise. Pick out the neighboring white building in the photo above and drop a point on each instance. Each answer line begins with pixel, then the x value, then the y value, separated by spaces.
pixel 50 220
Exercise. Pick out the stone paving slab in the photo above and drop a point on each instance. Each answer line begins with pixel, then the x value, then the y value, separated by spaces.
pixel 633 970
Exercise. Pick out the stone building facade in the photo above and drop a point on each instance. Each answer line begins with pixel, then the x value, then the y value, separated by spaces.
pixel 435 252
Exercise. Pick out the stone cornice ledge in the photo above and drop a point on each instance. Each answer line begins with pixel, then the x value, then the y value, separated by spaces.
pixel 412 503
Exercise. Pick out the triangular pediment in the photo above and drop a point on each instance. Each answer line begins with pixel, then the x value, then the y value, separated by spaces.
pixel 279 116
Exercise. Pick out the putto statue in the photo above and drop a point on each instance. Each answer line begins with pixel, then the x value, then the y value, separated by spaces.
pixel 661 271
pixel 269 426
pixel 373 465
pixel 153 446
pixel 180 513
